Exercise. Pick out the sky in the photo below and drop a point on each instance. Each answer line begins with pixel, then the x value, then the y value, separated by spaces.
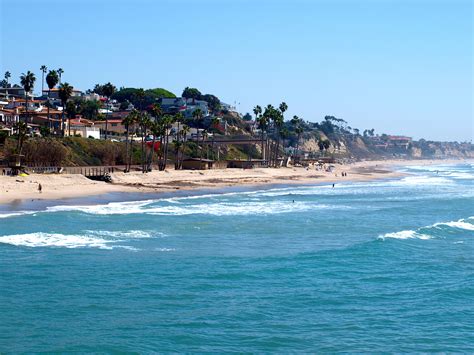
pixel 398 66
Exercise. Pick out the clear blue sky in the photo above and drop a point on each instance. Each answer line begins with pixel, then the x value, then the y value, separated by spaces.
pixel 397 66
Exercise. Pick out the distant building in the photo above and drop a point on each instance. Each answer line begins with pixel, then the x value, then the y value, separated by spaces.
pixel 54 93
pixel 115 127
pixel 399 141
pixel 172 105
pixel 15 91
pixel 197 164
pixel 83 127
pixel 192 105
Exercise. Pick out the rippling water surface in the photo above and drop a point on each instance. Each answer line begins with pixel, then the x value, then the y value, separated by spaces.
pixel 378 266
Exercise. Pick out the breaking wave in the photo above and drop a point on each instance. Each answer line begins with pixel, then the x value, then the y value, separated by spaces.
pixel 215 209
pixel 41 239
pixel 90 239
pixel 428 231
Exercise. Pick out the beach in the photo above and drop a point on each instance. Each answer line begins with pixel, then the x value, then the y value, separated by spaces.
pixel 62 186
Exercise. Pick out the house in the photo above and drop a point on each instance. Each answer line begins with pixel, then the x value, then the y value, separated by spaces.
pixel 192 105
pixel 246 164
pixel 15 91
pixel 399 141
pixel 54 93
pixel 197 164
pixel 80 126
pixel 172 105
pixel 9 117
pixel 115 127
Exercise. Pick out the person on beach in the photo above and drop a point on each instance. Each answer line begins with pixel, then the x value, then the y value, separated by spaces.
pixel 333 185
pixel 40 188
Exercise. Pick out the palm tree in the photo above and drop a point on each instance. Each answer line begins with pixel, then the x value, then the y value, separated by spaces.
pixel 278 120
pixel 7 77
pixel 296 122
pixel 262 123
pixel 266 118
pixel 60 73
pixel 168 121
pixel 144 123
pixel 128 121
pixel 21 129
pixel 65 93
pixel 43 69
pixel 197 115
pixel 28 82
pixel 178 118
pixel 155 128
pixel 108 90
pixel 184 133
pixel 52 80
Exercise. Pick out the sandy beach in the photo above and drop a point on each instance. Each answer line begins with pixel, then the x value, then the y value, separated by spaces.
pixel 72 186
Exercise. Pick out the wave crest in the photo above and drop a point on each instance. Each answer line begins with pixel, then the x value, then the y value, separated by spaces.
pixel 424 232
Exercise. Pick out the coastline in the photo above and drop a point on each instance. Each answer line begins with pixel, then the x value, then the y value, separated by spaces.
pixel 22 190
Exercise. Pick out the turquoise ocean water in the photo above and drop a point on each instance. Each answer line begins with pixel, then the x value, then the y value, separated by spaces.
pixel 364 267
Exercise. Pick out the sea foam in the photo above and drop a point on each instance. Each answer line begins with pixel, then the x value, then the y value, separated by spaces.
pixel 425 232
pixel 89 239
pixel 41 239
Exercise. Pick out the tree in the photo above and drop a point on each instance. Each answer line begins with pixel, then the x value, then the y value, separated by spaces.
pixel 179 143
pixel 124 105
pixel 197 115
pixel 156 130
pixel 128 122
pixel 213 102
pixel 71 109
pixel 28 82
pixel 278 119
pixel 262 123
pixel 98 89
pixel 150 96
pixel 21 131
pixel 65 93
pixel 7 77
pixel 52 80
pixel 89 109
pixel 107 90
pixel 323 145
pixel 60 73
pixel 191 93
pixel 167 123
pixel 43 69
pixel 144 124
pixel 297 125
pixel 268 116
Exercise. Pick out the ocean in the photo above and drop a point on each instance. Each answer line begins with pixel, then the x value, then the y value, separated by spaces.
pixel 380 266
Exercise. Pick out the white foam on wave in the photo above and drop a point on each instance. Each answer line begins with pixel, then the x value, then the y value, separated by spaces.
pixel 165 249
pixel 15 214
pixel 89 239
pixel 461 224
pixel 407 234
pixel 133 234
pixel 422 180
pixel 461 176
pixel 41 239
pixel 214 208
pixel 424 232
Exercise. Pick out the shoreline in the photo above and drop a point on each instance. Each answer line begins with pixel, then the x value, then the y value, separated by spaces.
pixel 23 191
